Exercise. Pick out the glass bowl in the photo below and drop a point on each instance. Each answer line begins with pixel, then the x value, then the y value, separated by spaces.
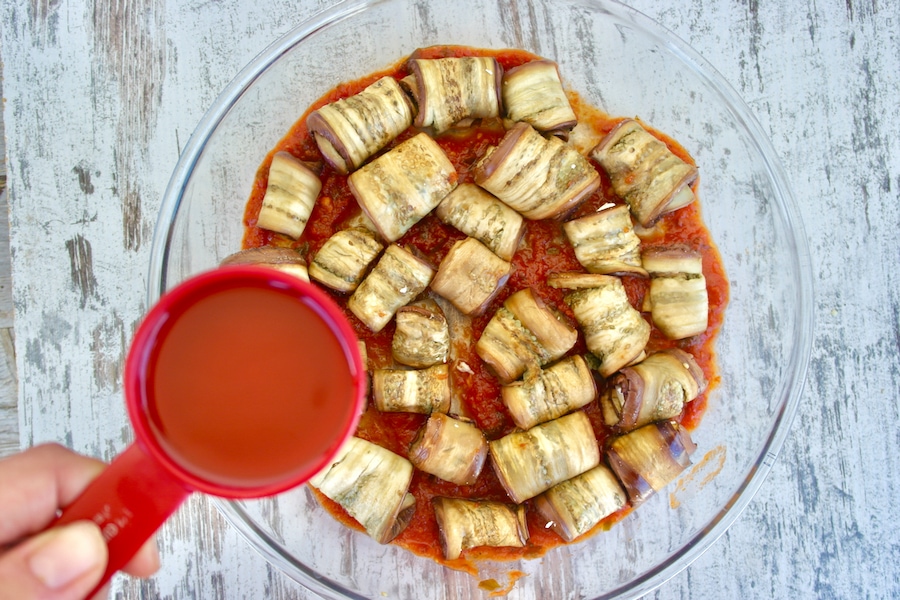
pixel 624 63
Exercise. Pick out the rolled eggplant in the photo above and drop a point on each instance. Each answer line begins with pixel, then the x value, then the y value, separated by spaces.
pixel 342 261
pixel 606 243
pixel 482 216
pixel 397 278
pixel 449 448
pixel 464 524
pixel 650 457
pixel 423 391
pixel 677 300
pixel 403 185
pixel 574 507
pixel 448 90
pixel 614 331
pixel 422 335
pixel 291 193
pixel 281 259
pixel 654 389
pixel 523 335
pixel 350 130
pixel 648 176
pixel 372 484
pixel 470 276
pixel 539 177
pixel 555 391
pixel 533 93
pixel 530 462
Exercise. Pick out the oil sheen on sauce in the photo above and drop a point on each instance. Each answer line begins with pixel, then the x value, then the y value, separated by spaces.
pixel 248 387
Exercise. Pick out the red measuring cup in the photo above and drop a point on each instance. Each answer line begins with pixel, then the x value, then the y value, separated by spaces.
pixel 241 382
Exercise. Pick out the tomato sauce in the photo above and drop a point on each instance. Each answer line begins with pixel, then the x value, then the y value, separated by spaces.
pixel 271 405
pixel 543 250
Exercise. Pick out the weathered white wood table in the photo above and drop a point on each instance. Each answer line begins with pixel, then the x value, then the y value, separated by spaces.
pixel 101 97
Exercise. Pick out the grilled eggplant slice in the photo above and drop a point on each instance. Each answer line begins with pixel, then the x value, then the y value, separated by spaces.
pixel 644 172
pixel 291 193
pixel 539 177
pixel 282 259
pixel 403 185
pixel 465 524
pixel 530 462
pixel 482 216
pixel 555 391
pixel 678 300
pixel 342 261
pixel 470 276
pixel 647 459
pixel 421 391
pixel 397 278
pixel 371 483
pixel 606 243
pixel 352 129
pixel 614 331
pixel 654 389
pixel 449 90
pixel 449 448
pixel 523 334
pixel 533 93
pixel 422 335
pixel 574 507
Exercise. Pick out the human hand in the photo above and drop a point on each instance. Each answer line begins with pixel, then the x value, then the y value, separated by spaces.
pixel 64 562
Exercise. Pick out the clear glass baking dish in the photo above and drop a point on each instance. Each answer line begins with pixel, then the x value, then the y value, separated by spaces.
pixel 624 63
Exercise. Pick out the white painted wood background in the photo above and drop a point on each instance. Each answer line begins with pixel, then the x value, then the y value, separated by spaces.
pixel 101 96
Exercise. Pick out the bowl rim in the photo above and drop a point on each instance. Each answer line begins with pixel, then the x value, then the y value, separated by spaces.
pixel 792 382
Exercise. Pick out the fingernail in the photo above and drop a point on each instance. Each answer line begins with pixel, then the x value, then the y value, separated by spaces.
pixel 66 553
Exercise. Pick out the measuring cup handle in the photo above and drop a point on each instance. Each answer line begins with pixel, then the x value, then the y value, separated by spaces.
pixel 129 501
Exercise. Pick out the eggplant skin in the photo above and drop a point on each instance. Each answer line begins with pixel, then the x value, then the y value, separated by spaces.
pixel 450 449
pixel 649 458
pixel 464 524
pixel 530 462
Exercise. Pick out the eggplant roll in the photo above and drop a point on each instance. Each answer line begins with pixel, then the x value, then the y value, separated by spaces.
pixel 647 459
pixel 530 462
pixel 372 484
pixel 422 335
pixel 654 389
pixel 470 276
pixel 482 216
pixel 397 278
pixel 403 185
pixel 644 172
pixel 449 90
pixel 533 93
pixel 555 391
pixel 539 177
pixel 574 507
pixel 606 243
pixel 523 335
pixel 282 259
pixel 614 331
pixel 291 193
pixel 449 448
pixel 423 391
pixel 342 261
pixel 352 129
pixel 678 300
pixel 464 524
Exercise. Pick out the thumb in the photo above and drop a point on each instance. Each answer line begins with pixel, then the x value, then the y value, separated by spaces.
pixel 62 563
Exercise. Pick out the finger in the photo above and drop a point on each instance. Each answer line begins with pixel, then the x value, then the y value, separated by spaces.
pixel 146 562
pixel 61 563
pixel 35 483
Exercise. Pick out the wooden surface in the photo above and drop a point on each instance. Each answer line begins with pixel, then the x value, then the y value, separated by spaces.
pixel 101 97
